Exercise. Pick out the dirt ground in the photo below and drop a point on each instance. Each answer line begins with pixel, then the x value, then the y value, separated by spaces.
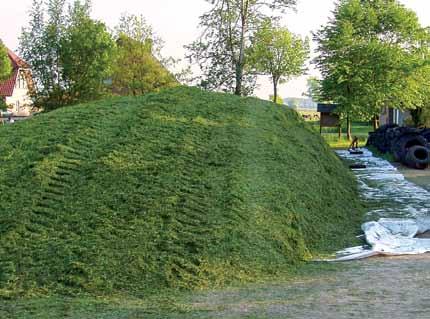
pixel 374 288
pixel 419 177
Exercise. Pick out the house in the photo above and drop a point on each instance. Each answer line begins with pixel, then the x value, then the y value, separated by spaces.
pixel 15 91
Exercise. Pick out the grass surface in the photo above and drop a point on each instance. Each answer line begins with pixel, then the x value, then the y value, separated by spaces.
pixel 178 190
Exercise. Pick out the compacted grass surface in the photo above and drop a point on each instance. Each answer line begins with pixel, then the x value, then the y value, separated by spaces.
pixel 178 191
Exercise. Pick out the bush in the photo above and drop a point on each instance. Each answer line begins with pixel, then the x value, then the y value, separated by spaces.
pixel 3 106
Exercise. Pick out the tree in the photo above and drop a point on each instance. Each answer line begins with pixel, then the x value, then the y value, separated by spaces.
pixel 221 51
pixel 87 52
pixel 140 67
pixel 146 43
pixel 278 53
pixel 5 65
pixel 137 28
pixel 136 71
pixel 5 70
pixel 313 89
pixel 33 48
pixel 421 114
pixel 369 54
pixel 53 34
pixel 70 54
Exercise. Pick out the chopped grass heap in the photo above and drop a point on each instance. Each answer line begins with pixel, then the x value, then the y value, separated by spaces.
pixel 181 189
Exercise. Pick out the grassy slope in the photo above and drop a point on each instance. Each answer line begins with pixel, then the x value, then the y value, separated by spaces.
pixel 182 189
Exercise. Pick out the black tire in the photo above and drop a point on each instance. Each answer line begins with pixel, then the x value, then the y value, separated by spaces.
pixel 417 157
pixel 371 139
pixel 385 127
pixel 426 134
pixel 379 138
pixel 402 144
pixel 357 166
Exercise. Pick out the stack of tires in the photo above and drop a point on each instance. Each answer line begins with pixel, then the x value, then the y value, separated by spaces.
pixel 410 146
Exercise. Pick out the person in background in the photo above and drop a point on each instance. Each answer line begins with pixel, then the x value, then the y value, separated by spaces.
pixel 354 144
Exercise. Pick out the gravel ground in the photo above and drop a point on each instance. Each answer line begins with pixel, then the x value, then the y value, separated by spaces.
pixel 419 177
pixel 373 288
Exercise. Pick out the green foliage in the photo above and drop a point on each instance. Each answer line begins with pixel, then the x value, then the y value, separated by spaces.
pixel 33 49
pixel 279 100
pixel 86 55
pixel 181 189
pixel 222 50
pixel 70 53
pixel 5 65
pixel 3 106
pixel 137 28
pixel 161 72
pixel 278 53
pixel 136 71
pixel 314 89
pixel 420 117
pixel 372 54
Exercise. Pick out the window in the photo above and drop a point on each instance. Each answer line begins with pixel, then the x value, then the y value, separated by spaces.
pixel 20 84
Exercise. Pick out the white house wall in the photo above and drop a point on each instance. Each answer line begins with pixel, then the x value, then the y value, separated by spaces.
pixel 20 102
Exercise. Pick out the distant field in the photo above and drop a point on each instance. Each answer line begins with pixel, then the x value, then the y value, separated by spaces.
pixel 331 134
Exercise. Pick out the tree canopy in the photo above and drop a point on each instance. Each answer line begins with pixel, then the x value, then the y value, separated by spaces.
pixel 372 55
pixel 313 89
pixel 136 71
pixel 87 53
pixel 69 52
pixel 5 65
pixel 222 50
pixel 74 57
pixel 139 67
pixel 278 53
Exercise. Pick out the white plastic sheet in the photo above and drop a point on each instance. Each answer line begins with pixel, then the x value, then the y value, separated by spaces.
pixel 404 211
pixel 382 182
pixel 390 237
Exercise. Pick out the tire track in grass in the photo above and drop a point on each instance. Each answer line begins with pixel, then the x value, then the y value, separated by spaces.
pixel 51 221
pixel 184 225
pixel 79 148
pixel 190 227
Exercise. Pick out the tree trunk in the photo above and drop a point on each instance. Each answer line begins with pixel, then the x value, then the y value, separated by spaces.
pixel 375 122
pixel 240 62
pixel 275 90
pixel 239 75
pixel 348 128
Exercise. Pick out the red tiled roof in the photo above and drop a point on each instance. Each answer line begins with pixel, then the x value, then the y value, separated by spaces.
pixel 7 86
pixel 16 61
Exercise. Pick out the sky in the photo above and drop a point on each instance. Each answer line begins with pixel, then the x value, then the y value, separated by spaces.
pixel 176 22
